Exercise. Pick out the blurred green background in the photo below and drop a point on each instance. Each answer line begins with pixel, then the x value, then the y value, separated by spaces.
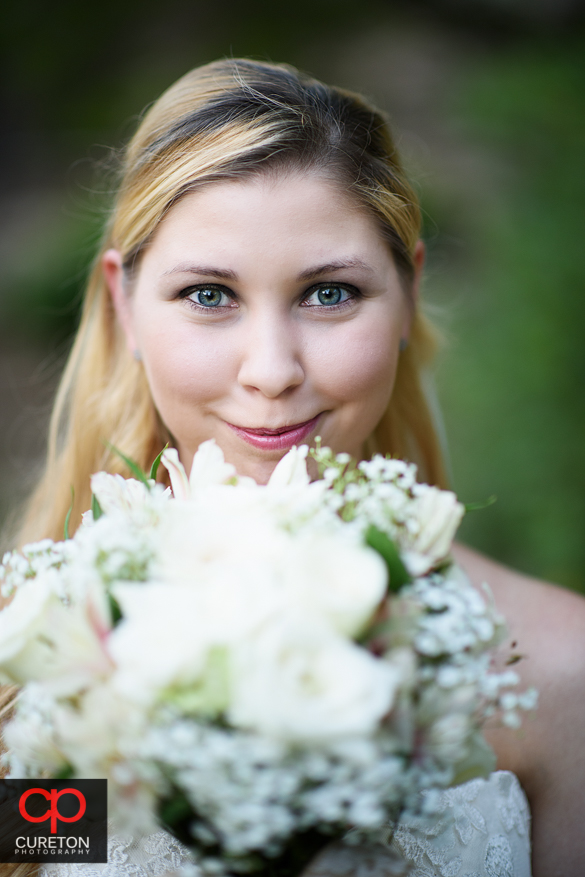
pixel 488 104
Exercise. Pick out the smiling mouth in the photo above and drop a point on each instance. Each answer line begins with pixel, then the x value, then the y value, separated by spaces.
pixel 279 431
pixel 276 439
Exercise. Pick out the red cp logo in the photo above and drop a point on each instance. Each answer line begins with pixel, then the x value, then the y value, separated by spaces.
pixel 52 812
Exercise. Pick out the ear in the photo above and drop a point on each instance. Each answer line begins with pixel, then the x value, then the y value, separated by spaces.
pixel 114 274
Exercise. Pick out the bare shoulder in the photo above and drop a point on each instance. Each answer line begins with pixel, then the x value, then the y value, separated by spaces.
pixel 547 618
pixel 546 625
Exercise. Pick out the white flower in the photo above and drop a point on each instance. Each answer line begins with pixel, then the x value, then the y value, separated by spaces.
pixel 215 538
pixel 19 567
pixel 209 466
pixel 238 545
pixel 292 469
pixel 208 469
pixel 116 493
pixel 437 514
pixel 160 640
pixel 29 736
pixel 177 474
pixel 528 699
pixel 99 730
pixel 300 682
pixel 41 639
pixel 447 737
pixel 334 576
pixel 189 632
pixel 448 715
pixel 241 603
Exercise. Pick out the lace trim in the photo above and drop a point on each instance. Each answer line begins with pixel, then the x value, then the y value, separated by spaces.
pixel 481 830
pixel 158 855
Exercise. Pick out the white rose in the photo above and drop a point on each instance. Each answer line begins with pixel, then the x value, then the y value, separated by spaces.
pixel 447 738
pixel 322 567
pixel 299 682
pixel 43 639
pixel 171 634
pixel 102 727
pixel 436 516
pixel 335 576
pixel 197 540
pixel 159 641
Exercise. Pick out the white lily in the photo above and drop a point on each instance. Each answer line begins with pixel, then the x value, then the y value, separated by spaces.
pixel 292 469
pixel 209 469
pixel 116 493
pixel 209 466
pixel 43 639
pixel 179 481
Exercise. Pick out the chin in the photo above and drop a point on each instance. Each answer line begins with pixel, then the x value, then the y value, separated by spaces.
pixel 259 470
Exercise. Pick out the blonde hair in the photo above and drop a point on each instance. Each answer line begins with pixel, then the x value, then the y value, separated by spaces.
pixel 228 120
pixel 7 702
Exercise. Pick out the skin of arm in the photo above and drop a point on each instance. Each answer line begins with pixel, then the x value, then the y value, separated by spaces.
pixel 546 624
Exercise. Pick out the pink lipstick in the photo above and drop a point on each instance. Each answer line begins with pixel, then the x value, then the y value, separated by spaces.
pixel 279 439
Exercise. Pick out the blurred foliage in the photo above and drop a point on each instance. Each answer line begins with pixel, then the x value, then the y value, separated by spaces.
pixel 513 391
pixel 506 258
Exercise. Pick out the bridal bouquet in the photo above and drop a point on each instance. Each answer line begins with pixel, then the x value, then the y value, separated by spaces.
pixel 257 668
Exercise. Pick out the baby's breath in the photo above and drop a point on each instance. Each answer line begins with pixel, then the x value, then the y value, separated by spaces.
pixel 301 656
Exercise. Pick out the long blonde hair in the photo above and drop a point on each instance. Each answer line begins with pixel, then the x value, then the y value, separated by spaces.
pixel 7 701
pixel 224 121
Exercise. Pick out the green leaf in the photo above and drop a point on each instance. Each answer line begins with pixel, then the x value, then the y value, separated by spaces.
pixel 174 810
pixel 478 506
pixel 96 508
pixel 386 548
pixel 155 465
pixel 65 773
pixel 68 516
pixel 115 610
pixel 138 473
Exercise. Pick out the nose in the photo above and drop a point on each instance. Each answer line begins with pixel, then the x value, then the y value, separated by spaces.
pixel 271 361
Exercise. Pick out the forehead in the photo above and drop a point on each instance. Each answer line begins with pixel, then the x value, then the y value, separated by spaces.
pixel 288 216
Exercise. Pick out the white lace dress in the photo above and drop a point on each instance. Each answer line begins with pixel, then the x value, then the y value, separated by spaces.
pixel 482 830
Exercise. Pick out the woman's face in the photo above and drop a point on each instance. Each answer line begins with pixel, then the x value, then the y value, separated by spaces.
pixel 266 312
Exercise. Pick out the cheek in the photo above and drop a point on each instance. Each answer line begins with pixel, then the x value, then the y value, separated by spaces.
pixel 184 366
pixel 358 364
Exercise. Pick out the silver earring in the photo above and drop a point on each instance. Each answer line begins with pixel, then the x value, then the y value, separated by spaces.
pixel 403 344
pixel 137 355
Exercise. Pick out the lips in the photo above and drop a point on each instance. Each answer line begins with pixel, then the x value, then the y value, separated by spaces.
pixel 282 438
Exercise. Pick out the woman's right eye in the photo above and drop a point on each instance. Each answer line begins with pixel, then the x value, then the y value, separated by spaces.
pixel 207 297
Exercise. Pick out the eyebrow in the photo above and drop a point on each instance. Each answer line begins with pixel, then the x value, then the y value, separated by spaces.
pixel 205 270
pixel 310 273
pixel 227 274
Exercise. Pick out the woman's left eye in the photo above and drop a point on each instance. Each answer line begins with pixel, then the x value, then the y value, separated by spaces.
pixel 328 296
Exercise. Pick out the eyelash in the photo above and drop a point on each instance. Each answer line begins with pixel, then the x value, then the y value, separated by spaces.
pixel 353 295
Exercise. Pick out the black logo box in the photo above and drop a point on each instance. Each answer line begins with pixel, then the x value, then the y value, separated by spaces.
pixel 83 840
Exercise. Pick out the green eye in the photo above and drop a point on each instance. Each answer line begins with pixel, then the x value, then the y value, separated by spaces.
pixel 330 295
pixel 209 298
